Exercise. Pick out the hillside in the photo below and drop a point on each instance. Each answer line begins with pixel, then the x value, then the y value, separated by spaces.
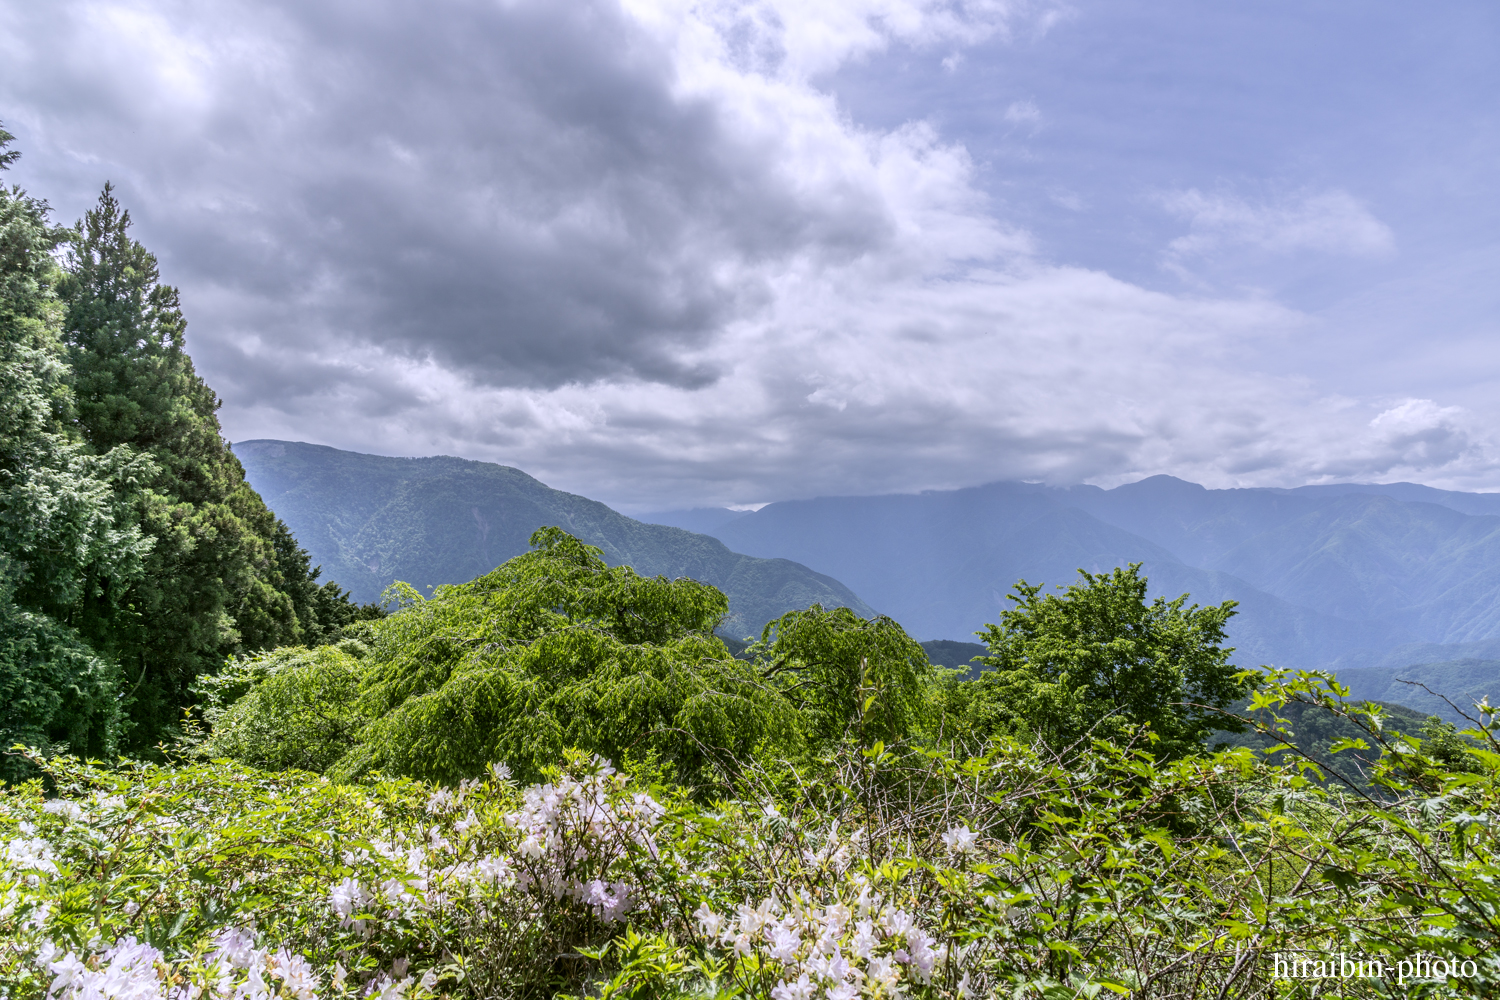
pixel 369 520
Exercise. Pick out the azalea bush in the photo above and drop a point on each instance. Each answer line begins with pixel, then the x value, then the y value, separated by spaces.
pixel 869 872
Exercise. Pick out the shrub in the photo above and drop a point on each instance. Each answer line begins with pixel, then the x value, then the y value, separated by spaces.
pixel 870 872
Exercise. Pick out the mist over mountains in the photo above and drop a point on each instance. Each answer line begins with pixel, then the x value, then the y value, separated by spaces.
pixel 1325 575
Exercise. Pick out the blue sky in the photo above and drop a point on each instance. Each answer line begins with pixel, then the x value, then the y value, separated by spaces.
pixel 1082 130
pixel 666 253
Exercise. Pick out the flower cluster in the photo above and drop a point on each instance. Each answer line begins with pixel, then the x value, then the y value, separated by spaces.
pixel 402 881
pixel 572 832
pixel 839 950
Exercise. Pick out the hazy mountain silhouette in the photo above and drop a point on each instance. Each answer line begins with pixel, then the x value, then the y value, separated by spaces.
pixel 1320 572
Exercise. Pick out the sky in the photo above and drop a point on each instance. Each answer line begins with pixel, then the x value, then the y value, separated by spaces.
pixel 671 254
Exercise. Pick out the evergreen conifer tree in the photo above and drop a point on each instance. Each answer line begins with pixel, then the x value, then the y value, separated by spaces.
pixel 224 574
pixel 67 531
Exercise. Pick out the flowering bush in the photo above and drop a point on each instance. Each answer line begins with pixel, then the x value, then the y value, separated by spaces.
pixel 872 873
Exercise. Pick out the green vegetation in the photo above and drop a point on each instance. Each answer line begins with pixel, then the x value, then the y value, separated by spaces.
pixel 554 649
pixel 1100 661
pixel 874 872
pixel 133 556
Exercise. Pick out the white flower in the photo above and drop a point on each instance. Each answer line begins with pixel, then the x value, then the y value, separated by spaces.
pixel 467 823
pixel 295 973
pixel 254 987
pixel 493 869
pixel 709 922
pixel 235 946
pixel 386 988
pixel 742 945
pixel 965 988
pixel 440 801
pixel 884 973
pixel 960 839
pixel 65 971
pixel 784 945
pixel 500 771
pixel 345 898
pixel 842 991
pixel 339 974
pixel 835 968
pixel 30 853
pixel 770 811
pixel 802 989
pixel 65 808
pixel 429 979
pixel 132 908
pixel 127 971
pixel 923 955
pixel 864 939
pixel 898 923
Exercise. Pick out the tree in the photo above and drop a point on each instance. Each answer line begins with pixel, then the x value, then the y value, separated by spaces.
pixel 845 674
pixel 67 531
pixel 1100 659
pixel 223 574
pixel 553 649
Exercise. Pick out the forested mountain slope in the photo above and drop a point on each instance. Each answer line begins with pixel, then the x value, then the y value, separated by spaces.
pixel 370 520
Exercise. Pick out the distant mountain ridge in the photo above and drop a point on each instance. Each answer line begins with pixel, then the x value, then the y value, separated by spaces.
pixel 370 519
pixel 1321 572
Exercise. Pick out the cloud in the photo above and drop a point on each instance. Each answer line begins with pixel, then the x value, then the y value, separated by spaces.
pixel 1332 222
pixel 641 252
pixel 1023 113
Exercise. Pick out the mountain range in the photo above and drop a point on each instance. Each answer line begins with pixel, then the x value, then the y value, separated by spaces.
pixel 1377 582
pixel 1320 572
pixel 369 520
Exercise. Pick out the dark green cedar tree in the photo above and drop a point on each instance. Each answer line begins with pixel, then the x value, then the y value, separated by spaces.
pixel 223 574
pixel 67 531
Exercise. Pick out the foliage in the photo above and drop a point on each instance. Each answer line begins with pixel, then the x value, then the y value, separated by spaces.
pixel 550 650
pixel 1315 732
pixel 555 649
pixel 872 872
pixel 1099 660
pixel 55 693
pixel 210 585
pixel 67 532
pixel 843 672
pixel 127 532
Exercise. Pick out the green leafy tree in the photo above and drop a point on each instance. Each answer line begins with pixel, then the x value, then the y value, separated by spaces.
pixel 1100 659
pixel 846 675
pixel 553 649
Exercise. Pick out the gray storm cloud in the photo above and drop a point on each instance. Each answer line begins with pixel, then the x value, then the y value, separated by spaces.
pixel 634 249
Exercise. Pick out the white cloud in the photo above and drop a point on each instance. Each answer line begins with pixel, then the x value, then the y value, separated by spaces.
pixel 1333 222
pixel 640 253
pixel 1023 113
